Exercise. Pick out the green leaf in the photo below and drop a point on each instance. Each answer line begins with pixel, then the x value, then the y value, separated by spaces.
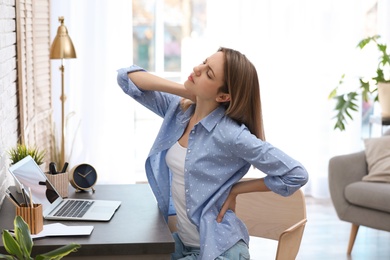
pixel 21 150
pixel 9 257
pixel 367 40
pixel 20 246
pixel 59 252
pixel 333 93
pixel 385 57
pixel 365 87
pixel 344 105
pixel 11 245
pixel 23 236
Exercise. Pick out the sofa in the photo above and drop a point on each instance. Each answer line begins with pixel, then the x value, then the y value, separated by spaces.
pixel 359 185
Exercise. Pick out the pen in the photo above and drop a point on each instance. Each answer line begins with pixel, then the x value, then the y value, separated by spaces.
pixel 31 200
pixel 52 168
pixel 24 195
pixel 8 192
pixel 65 167
pixel 12 200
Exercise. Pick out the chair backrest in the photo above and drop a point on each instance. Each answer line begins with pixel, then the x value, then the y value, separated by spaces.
pixel 272 216
pixel 290 241
pixel 269 215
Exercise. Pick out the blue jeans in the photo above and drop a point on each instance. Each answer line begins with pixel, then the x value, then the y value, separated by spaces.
pixel 239 251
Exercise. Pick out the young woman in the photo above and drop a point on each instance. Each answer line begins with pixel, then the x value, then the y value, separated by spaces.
pixel 211 134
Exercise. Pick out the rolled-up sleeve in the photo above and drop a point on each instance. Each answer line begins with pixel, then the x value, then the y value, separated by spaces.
pixel 285 175
pixel 289 182
pixel 156 101
pixel 125 83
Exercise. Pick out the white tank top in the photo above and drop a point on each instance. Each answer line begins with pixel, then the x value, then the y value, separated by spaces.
pixel 187 231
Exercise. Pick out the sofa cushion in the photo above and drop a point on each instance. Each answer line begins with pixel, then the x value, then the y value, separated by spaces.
pixel 378 159
pixel 374 195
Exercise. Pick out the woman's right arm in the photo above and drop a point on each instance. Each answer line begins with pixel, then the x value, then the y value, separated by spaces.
pixel 149 82
pixel 151 91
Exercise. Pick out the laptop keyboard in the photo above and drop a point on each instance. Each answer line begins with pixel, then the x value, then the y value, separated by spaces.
pixel 74 208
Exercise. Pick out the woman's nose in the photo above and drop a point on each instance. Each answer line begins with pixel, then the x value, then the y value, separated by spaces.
pixel 197 70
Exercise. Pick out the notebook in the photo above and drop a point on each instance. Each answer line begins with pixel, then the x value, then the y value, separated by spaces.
pixel 28 173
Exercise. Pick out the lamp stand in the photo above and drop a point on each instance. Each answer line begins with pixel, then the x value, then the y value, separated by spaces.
pixel 62 48
pixel 63 99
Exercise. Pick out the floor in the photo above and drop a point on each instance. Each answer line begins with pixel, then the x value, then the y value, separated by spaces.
pixel 326 237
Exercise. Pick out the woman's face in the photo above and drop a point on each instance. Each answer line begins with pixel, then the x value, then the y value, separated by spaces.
pixel 206 78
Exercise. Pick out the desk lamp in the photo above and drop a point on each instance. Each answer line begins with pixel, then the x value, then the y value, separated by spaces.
pixel 62 48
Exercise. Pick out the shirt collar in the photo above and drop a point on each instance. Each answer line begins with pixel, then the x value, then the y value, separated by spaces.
pixel 209 122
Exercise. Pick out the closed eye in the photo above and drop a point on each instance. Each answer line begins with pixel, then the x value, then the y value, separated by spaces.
pixel 209 69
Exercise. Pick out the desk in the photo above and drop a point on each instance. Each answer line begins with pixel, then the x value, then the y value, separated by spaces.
pixel 136 231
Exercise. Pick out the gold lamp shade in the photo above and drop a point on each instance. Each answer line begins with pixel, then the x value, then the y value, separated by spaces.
pixel 62 46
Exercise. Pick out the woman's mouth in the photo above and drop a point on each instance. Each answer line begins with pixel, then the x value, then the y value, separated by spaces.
pixel 190 78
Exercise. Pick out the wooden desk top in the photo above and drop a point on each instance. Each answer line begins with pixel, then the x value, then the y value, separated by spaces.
pixel 137 228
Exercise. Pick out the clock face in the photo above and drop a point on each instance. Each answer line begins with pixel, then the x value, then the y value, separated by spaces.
pixel 84 176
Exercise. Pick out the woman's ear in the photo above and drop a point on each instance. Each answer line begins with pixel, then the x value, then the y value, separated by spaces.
pixel 223 97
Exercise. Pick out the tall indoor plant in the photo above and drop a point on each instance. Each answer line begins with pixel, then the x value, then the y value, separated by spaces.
pixel 346 103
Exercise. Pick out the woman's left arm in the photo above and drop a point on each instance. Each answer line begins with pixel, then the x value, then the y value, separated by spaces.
pixel 284 174
pixel 253 185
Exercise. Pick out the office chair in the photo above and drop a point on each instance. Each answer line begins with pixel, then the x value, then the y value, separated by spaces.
pixel 272 216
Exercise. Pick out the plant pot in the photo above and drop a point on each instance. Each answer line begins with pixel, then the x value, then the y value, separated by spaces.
pixel 60 182
pixel 384 99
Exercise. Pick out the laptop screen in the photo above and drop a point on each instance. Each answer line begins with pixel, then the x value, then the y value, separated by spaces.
pixel 28 173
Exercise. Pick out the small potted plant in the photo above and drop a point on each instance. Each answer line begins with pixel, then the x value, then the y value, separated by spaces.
pixel 20 151
pixel 375 86
pixel 20 245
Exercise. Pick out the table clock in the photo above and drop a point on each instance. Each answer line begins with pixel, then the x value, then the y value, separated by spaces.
pixel 83 177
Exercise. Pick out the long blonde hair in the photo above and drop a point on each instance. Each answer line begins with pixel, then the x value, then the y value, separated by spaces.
pixel 242 83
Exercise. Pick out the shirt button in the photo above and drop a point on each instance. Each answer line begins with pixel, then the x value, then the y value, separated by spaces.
pixel 186 190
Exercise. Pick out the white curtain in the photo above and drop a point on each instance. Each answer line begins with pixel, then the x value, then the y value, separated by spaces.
pixel 100 117
pixel 300 49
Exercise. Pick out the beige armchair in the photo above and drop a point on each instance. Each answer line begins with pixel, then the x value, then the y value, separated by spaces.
pixel 356 201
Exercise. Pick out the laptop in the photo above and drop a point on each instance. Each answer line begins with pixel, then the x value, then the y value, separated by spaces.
pixel 30 175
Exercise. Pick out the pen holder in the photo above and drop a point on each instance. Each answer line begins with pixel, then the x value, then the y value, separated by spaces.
pixel 60 181
pixel 33 216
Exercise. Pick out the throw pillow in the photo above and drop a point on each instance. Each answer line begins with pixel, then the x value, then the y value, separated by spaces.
pixel 378 159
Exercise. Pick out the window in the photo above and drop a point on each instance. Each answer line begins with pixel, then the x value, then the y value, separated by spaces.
pixel 159 26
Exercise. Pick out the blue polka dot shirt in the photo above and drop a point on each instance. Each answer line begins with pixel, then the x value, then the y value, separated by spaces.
pixel 220 152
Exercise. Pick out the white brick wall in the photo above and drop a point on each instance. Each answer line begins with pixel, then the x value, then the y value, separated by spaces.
pixel 8 90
